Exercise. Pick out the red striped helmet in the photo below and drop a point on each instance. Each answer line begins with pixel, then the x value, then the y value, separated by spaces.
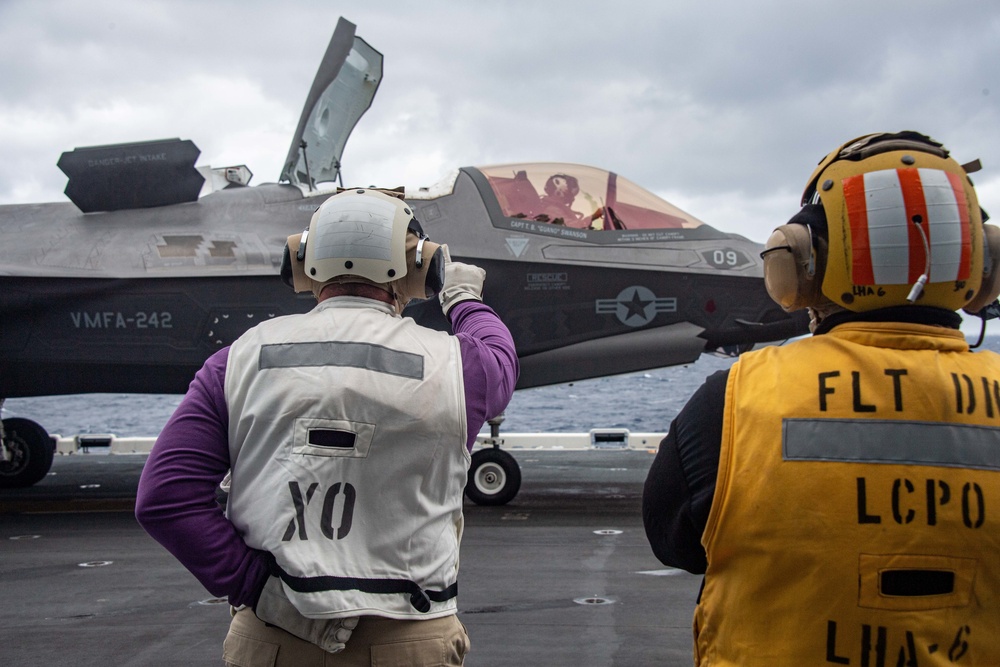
pixel 904 224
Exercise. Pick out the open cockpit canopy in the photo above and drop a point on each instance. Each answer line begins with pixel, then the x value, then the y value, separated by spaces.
pixel 341 93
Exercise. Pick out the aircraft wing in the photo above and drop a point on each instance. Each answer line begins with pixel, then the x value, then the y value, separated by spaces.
pixel 341 93
pixel 640 350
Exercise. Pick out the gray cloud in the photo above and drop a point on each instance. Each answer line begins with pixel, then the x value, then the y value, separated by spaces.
pixel 724 107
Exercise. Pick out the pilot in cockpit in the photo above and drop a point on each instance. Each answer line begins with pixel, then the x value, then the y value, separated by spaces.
pixel 556 205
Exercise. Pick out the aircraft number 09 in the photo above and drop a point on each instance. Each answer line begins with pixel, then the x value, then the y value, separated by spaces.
pixel 725 258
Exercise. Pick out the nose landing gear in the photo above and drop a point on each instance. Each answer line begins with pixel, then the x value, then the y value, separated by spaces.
pixel 494 476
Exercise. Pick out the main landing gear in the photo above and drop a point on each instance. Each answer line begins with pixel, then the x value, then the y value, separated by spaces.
pixel 494 476
pixel 26 452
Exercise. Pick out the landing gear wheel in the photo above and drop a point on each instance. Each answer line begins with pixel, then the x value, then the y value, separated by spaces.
pixel 30 452
pixel 494 477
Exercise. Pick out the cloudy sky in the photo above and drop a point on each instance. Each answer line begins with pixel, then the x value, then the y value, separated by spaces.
pixel 721 107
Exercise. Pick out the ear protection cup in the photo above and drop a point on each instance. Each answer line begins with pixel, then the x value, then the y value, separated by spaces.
pixel 286 267
pixel 293 269
pixel 790 274
pixel 795 260
pixel 434 282
pixel 989 290
pixel 424 270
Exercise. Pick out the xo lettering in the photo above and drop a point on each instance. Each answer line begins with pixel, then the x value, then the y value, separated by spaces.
pixel 338 501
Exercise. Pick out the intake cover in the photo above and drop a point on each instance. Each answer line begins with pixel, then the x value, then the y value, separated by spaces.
pixel 140 175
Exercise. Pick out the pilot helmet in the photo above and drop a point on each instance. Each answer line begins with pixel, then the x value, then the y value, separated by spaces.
pixel 562 186
pixel 365 235
pixel 886 220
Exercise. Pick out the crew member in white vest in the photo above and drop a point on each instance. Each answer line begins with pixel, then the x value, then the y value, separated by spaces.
pixel 346 432
pixel 841 493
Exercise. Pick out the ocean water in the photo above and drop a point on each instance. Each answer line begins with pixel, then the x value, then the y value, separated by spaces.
pixel 644 401
pixel 641 402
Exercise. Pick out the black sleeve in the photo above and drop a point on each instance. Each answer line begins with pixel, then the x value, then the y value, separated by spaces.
pixel 680 484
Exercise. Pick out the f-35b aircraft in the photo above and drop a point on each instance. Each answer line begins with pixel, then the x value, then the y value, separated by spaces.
pixel 156 264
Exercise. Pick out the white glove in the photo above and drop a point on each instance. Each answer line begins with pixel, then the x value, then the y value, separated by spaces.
pixel 275 608
pixel 462 282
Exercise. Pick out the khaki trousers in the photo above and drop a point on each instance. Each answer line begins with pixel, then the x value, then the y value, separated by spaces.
pixel 376 642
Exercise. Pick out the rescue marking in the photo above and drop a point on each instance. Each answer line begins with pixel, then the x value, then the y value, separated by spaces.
pixel 547 282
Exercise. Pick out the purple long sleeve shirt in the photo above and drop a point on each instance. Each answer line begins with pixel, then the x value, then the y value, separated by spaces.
pixel 176 500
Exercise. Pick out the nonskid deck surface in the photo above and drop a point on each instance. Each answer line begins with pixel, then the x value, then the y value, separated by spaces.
pixel 562 575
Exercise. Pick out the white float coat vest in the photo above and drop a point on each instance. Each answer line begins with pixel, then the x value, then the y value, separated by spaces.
pixel 347 441
pixel 856 517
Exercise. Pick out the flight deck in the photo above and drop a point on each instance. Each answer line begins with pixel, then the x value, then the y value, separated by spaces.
pixel 561 575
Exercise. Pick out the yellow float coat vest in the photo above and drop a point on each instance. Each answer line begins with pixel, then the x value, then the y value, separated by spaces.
pixel 856 518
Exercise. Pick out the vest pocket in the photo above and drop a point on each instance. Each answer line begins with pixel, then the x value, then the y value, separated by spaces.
pixel 332 437
pixel 913 582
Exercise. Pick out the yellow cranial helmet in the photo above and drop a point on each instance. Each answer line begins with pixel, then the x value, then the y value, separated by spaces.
pixel 903 226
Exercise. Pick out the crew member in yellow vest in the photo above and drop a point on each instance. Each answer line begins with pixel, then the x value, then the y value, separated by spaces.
pixel 841 493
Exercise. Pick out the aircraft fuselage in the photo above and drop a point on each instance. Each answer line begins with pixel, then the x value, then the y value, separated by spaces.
pixel 136 300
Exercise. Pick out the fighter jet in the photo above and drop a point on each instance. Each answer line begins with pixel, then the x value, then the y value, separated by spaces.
pixel 155 264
